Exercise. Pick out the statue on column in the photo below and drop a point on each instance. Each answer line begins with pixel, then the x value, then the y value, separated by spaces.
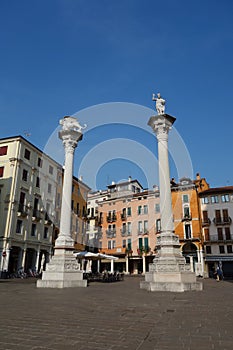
pixel 70 123
pixel 159 104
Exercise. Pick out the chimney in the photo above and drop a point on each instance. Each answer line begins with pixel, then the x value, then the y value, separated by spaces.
pixel 198 176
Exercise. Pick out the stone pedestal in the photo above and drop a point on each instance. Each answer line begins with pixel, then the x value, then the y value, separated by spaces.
pixel 169 271
pixel 63 269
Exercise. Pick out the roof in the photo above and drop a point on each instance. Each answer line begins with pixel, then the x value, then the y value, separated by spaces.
pixel 124 183
pixel 216 190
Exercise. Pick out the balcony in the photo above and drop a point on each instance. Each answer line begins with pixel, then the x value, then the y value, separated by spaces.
pixel 125 233
pixel 111 233
pixel 187 217
pixel 111 218
pixel 206 222
pixel 219 239
pixel 22 210
pixel 222 221
pixel 143 232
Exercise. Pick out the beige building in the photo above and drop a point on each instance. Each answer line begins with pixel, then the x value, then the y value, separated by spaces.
pixel 30 202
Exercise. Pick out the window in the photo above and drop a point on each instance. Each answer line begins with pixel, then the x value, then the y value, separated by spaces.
pixel 38 182
pixel 129 211
pixel 113 244
pixel 187 230
pixel 139 226
pixel 186 212
pixel 25 175
pixel 50 170
pixel 49 188
pixel 129 244
pixel 225 215
pixel 229 249
pixel 145 209
pixel 1 171
pixel 46 231
pixel 27 154
pixel 214 199
pixel 157 208
pixel 220 234
pixel 39 162
pixel 140 245
pixel 146 243
pixel 145 228
pixel 124 243
pixel 22 198
pixel 129 227
pixel 206 234
pixel 185 198
pixel 221 249
pixel 72 204
pixel 139 210
pixel 109 244
pixel 218 218
pixel 208 249
pixel 227 233
pixel 3 150
pixel 158 225
pixel 124 228
pixel 33 230
pixel 19 226
pixel 205 200
pixel 225 198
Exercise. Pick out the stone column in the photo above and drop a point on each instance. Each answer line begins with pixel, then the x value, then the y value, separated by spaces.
pixel 112 266
pixel 63 269
pixel 143 263
pixel 126 264
pixel 169 271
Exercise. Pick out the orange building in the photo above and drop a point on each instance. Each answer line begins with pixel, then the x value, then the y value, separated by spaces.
pixel 187 219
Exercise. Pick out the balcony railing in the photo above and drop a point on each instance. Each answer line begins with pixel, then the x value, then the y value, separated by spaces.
pixel 125 233
pixel 219 238
pixel 206 222
pixel 22 210
pixel 222 221
pixel 111 233
pixel 187 217
pixel 143 231
pixel 111 218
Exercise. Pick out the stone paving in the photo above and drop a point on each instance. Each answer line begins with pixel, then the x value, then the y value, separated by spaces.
pixel 115 316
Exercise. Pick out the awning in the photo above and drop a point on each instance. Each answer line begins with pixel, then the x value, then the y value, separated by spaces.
pixel 218 258
pixel 94 256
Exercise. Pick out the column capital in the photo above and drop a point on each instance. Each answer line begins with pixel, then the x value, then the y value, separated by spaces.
pixel 70 139
pixel 161 124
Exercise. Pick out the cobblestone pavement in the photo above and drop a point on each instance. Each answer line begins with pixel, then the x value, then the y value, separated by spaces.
pixel 115 316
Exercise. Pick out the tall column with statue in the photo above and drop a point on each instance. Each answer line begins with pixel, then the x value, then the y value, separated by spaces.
pixel 169 271
pixel 63 269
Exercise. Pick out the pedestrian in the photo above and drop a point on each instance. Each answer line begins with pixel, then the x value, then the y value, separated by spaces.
pixel 219 274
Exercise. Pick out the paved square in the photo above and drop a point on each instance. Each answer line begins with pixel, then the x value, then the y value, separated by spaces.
pixel 115 316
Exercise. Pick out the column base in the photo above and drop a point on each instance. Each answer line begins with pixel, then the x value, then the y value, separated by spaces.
pixel 62 272
pixel 170 273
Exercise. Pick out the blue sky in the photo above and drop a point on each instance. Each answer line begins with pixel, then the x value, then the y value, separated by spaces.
pixel 59 57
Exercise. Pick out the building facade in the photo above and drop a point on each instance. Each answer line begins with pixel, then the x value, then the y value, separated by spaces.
pixel 187 220
pixel 217 214
pixel 30 204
